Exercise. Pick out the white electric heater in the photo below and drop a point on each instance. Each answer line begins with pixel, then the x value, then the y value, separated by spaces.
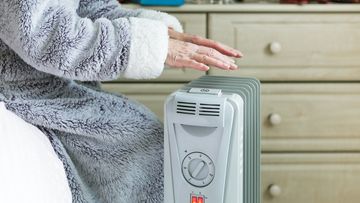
pixel 212 142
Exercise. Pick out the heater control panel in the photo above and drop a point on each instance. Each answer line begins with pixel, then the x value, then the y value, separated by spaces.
pixel 198 169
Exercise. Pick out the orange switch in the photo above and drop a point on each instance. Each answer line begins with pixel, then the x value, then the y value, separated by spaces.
pixel 194 199
pixel 200 200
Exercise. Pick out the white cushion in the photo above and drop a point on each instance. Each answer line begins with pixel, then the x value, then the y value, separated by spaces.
pixel 30 170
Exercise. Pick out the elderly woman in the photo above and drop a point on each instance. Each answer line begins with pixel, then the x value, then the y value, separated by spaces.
pixel 53 53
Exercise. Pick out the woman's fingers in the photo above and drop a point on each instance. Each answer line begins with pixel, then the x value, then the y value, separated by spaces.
pixel 211 61
pixel 190 63
pixel 181 61
pixel 216 45
pixel 199 62
pixel 215 54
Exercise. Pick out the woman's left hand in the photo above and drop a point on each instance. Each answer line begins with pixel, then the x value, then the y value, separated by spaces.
pixel 219 47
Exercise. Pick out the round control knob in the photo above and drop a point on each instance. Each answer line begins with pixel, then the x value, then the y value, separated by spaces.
pixel 198 169
pixel 275 47
pixel 274 190
pixel 274 119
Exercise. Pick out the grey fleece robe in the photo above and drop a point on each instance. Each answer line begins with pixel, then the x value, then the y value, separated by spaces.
pixel 111 147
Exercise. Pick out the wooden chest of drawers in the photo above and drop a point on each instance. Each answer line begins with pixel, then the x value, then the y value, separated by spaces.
pixel 308 59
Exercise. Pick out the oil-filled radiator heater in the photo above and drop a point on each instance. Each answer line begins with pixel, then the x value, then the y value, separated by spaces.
pixel 212 142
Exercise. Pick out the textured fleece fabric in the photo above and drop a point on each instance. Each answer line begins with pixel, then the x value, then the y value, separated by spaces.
pixel 111 147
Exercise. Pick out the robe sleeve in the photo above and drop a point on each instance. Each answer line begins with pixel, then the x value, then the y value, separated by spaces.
pixel 112 9
pixel 51 37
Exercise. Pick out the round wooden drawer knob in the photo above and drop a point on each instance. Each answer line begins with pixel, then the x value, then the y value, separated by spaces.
pixel 274 119
pixel 275 47
pixel 275 190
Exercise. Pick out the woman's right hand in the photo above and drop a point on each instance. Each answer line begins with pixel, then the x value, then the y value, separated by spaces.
pixel 183 54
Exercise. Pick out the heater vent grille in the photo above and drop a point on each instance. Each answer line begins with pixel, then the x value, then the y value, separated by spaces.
pixel 209 109
pixel 186 108
pixel 202 109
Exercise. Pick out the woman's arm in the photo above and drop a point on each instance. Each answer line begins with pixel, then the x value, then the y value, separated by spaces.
pixel 112 9
pixel 51 37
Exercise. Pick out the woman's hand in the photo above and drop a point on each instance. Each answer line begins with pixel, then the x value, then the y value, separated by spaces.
pixel 191 51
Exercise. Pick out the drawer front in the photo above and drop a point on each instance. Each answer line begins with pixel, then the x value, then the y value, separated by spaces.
pixel 310 178
pixel 153 99
pixel 311 117
pixel 292 47
pixel 193 24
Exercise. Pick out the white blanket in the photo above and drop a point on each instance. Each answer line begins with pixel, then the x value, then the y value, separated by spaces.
pixel 30 171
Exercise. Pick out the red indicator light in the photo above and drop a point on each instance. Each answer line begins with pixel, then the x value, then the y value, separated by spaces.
pixel 200 200
pixel 194 199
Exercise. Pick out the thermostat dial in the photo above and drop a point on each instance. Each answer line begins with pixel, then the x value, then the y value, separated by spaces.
pixel 198 169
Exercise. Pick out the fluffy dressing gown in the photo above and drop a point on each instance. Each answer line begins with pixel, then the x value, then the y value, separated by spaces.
pixel 53 53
